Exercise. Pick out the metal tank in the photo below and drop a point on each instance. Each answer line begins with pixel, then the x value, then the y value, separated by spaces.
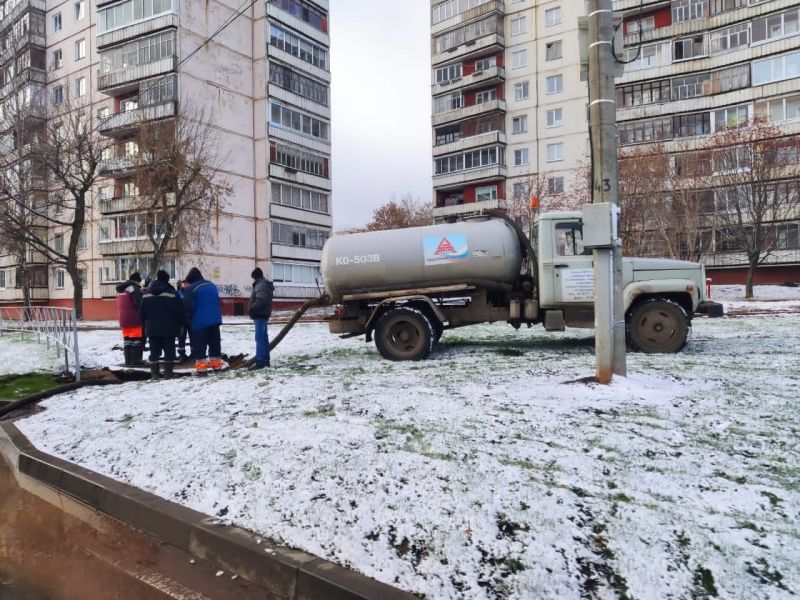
pixel 485 251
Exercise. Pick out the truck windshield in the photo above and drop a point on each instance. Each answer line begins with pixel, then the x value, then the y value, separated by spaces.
pixel 569 240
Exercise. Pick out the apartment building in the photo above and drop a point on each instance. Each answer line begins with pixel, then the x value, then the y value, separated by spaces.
pixel 508 102
pixel 700 67
pixel 260 77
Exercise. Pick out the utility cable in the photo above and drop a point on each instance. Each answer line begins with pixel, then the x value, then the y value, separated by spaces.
pixel 238 13
pixel 639 48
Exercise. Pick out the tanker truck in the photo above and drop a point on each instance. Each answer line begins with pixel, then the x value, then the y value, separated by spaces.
pixel 405 287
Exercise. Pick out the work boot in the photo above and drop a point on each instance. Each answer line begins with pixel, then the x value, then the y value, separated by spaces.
pixel 215 364
pixel 155 371
pixel 201 366
pixel 126 351
pixel 168 372
pixel 136 356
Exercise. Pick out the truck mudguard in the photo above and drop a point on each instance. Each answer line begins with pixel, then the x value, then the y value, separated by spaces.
pixel 661 287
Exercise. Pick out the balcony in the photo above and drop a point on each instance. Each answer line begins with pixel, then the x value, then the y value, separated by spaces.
pixel 469 15
pixel 136 30
pixel 474 141
pixel 29 75
pixel 120 166
pixel 116 205
pixel 22 7
pixel 493 42
pixel 457 210
pixel 475 80
pixel 109 289
pixel 467 112
pixel 121 123
pixel 124 79
pixel 470 176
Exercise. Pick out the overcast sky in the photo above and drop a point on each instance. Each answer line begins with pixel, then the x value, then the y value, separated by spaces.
pixel 380 106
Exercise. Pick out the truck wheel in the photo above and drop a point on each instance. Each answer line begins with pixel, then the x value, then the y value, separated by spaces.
pixel 404 333
pixel 658 326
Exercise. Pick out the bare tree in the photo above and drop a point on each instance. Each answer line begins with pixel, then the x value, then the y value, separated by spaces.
pixel 182 188
pixel 643 179
pixel 537 194
pixel 754 171
pixel 408 212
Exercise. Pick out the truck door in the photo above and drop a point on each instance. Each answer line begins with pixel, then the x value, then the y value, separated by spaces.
pixel 573 272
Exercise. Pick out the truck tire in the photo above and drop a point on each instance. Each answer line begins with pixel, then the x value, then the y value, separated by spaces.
pixel 658 326
pixel 404 333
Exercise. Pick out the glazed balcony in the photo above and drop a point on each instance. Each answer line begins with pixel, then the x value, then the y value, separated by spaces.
pixel 492 75
pixel 473 141
pixel 122 123
pixel 469 176
pixel 135 30
pixel 487 8
pixel 116 205
pixel 126 79
pixel 21 8
pixel 467 112
pixel 28 76
pixel 469 208
pixel 494 42
pixel 120 166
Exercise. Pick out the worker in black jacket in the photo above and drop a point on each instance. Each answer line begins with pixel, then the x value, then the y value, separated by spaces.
pixel 162 316
pixel 260 310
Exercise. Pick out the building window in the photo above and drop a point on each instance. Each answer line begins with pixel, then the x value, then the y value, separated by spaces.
pixel 80 49
pixel 475 159
pixel 57 22
pixel 298 235
pixel 295 274
pixel 80 86
pixel 555 152
pixel 692 47
pixel 733 78
pixel 447 102
pixel 59 279
pixel 132 11
pixel 519 25
pixel 555 84
pixel 639 94
pixel 303 199
pixel 732 117
pixel 485 96
pixel 647 24
pixel 552 16
pixel 289 118
pixel 521 157
pixel 143 51
pixel 299 47
pixel 691 86
pixel 297 83
pixel 484 64
pixel 730 38
pixel 553 50
pixel 519 124
pixel 519 59
pixel 58 95
pixel 304 12
pixel 776 68
pixel 58 59
pixel 468 33
pixel 650 130
pixel 521 90
pixel 82 240
pixel 555 185
pixel 720 6
pixel 299 160
pixel 779 109
pixel 58 242
pixel 486 193
pixel 772 27
pixel 555 117
pixel 689 10
pixel 691 125
pixel 445 75
pixel 80 10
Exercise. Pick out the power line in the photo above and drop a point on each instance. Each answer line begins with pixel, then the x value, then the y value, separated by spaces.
pixel 239 12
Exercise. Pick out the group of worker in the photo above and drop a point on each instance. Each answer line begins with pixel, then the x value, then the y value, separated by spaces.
pixel 161 315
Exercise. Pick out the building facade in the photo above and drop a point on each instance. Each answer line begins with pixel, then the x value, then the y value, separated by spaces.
pixel 508 102
pixel 260 78
pixel 703 67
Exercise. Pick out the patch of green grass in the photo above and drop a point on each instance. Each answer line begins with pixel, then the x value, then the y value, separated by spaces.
pixel 16 387
pixel 741 480
pixel 509 351
pixel 774 500
pixel 323 410
pixel 704 583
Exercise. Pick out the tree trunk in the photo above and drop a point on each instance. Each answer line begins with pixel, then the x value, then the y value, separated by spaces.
pixel 25 285
pixel 77 291
pixel 751 274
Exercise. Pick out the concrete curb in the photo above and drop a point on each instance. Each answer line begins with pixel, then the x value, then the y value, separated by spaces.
pixel 283 572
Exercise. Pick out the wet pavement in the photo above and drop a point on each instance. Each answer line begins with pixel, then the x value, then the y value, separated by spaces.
pixel 46 554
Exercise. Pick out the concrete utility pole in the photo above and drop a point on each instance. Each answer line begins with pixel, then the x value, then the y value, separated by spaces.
pixel 609 313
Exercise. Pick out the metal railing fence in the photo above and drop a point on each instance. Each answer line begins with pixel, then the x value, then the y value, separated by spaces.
pixel 56 327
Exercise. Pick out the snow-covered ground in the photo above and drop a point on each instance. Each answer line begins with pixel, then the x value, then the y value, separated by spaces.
pixel 486 471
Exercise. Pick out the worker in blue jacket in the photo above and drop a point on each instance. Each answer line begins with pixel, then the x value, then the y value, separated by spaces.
pixel 203 314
